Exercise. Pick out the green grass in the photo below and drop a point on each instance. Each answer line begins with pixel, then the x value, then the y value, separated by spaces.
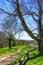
pixel 21 54
pixel 36 61
pixel 6 50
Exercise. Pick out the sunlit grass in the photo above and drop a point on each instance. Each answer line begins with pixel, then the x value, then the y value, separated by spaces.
pixel 36 61
pixel 6 50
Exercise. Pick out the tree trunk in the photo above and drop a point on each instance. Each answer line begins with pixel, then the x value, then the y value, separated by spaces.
pixel 9 44
pixel 41 49
pixel 40 44
pixel 1 45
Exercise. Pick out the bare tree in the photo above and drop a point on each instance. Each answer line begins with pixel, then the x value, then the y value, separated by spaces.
pixel 2 39
pixel 33 8
pixel 10 28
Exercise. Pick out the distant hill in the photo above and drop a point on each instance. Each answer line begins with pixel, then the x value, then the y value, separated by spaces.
pixel 24 42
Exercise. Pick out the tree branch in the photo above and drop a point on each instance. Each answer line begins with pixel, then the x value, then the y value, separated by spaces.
pixel 12 1
pixel 24 24
pixel 3 11
pixel 35 29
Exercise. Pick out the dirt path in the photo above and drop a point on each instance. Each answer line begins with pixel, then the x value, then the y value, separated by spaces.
pixel 8 59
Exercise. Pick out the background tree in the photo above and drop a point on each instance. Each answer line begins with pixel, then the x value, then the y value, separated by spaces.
pixel 10 28
pixel 32 9
pixel 2 39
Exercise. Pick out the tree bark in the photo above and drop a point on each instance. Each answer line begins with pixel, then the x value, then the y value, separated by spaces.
pixel 40 42
pixel 41 48
pixel 1 45
pixel 9 44
pixel 41 45
pixel 24 24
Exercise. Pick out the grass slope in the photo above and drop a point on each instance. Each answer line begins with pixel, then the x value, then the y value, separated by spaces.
pixel 36 61
pixel 5 51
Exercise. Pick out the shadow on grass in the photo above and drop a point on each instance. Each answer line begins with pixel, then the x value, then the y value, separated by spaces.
pixel 28 58
pixel 34 57
pixel 31 58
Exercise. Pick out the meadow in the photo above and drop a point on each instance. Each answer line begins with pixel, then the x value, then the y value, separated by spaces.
pixel 34 58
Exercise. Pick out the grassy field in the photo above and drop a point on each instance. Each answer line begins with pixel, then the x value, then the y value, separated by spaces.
pixel 38 60
pixel 5 51
pixel 34 61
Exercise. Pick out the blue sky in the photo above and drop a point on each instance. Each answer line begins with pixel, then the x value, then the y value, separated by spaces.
pixel 24 35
